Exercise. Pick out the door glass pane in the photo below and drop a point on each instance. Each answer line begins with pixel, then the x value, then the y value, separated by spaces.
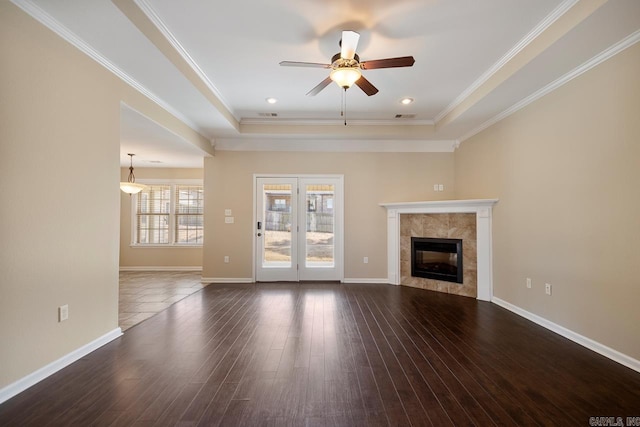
pixel 277 225
pixel 319 225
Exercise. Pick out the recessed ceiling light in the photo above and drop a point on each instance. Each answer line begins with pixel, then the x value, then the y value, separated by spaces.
pixel 271 100
pixel 406 101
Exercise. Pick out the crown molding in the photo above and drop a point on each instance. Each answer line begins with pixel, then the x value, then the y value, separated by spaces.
pixel 524 42
pixel 51 23
pixel 608 53
pixel 337 145
pixel 148 10
pixel 334 122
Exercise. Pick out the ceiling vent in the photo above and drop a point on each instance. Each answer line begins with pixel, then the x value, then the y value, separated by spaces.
pixel 405 116
pixel 268 114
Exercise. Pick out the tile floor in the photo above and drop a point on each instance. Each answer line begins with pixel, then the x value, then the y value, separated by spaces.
pixel 145 293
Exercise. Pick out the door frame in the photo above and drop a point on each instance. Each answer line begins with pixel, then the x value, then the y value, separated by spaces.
pixel 339 218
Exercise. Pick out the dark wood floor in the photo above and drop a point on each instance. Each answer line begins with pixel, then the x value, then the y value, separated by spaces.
pixel 330 354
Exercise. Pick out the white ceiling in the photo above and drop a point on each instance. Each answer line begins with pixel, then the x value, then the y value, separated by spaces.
pixel 213 64
pixel 153 145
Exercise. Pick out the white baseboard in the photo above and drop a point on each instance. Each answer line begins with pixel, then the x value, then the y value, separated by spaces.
pixel 602 349
pixel 156 268
pixel 250 280
pixel 35 377
pixel 226 280
pixel 365 280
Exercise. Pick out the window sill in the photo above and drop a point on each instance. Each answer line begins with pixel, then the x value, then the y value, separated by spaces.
pixel 173 246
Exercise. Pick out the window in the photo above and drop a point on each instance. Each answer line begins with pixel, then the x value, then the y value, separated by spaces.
pixel 280 205
pixel 169 214
pixel 189 218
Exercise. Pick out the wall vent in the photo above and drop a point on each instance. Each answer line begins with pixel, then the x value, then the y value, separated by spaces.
pixel 405 116
pixel 268 114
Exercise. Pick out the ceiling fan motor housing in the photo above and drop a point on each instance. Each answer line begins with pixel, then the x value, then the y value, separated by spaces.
pixel 338 62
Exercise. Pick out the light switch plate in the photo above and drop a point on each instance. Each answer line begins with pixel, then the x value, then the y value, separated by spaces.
pixel 63 313
pixel 227 212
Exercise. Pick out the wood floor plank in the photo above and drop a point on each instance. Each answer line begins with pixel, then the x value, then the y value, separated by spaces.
pixel 333 355
pixel 466 374
pixel 499 383
pixel 427 397
pixel 397 375
pixel 558 407
pixel 220 362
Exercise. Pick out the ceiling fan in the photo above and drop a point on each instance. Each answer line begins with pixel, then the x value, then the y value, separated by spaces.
pixel 346 66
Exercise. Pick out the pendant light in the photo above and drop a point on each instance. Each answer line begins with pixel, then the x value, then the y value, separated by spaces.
pixel 130 187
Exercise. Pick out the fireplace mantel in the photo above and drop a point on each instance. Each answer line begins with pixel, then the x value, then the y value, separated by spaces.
pixel 481 207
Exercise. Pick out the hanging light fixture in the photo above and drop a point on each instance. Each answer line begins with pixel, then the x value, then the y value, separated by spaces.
pixel 130 187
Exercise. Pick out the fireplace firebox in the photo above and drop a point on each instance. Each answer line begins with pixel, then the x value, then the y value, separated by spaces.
pixel 438 259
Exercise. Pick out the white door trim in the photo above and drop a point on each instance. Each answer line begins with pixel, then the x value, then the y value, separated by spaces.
pixel 288 271
pixel 339 240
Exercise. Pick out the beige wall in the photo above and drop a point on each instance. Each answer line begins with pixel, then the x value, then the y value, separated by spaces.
pixel 566 170
pixel 369 179
pixel 59 174
pixel 154 257
pixel 59 155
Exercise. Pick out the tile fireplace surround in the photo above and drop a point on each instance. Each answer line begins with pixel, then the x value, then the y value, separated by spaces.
pixel 482 209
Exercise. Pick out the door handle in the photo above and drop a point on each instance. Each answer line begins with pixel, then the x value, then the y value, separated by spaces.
pixel 259 234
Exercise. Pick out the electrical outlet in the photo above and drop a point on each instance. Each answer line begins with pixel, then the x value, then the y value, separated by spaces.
pixel 366 260
pixel 529 282
pixel 435 187
pixel 227 212
pixel 63 313
pixel 226 258
pixel 547 288
pixel 229 220
pixel 440 187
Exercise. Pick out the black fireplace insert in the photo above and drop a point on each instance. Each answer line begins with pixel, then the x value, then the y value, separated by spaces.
pixel 438 259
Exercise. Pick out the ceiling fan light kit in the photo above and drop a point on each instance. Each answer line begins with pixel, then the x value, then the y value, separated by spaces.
pixel 345 77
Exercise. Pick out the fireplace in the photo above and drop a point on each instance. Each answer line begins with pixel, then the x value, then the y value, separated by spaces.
pixel 438 259
pixel 427 218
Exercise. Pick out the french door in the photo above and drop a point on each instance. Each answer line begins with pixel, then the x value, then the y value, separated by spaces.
pixel 298 228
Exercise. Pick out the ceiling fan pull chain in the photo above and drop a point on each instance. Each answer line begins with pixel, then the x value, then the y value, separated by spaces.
pixel 344 97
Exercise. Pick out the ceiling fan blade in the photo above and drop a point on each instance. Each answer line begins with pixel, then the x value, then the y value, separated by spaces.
pixel 366 86
pixel 304 64
pixel 349 44
pixel 403 61
pixel 316 90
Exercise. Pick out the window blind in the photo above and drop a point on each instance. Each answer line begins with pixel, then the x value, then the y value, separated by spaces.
pixel 152 215
pixel 189 214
